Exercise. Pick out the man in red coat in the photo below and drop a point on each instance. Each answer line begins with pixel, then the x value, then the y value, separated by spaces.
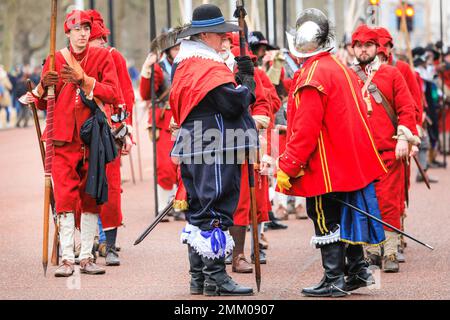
pixel 392 116
pixel 166 167
pixel 330 152
pixel 111 212
pixel 91 72
pixel 386 55
pixel 413 81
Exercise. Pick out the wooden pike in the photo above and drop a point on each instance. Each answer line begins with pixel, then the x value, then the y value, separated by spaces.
pixel 55 247
pixel 49 143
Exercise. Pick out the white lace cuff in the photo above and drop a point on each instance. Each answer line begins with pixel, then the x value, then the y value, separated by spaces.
pixel 211 245
pixel 327 239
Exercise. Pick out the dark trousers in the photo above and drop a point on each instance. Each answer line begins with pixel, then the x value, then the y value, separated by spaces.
pixel 213 193
pixel 325 213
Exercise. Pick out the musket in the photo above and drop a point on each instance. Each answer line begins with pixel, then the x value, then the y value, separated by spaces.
pixel 55 247
pixel 49 142
pixel 241 14
pixel 370 216
pixel 158 219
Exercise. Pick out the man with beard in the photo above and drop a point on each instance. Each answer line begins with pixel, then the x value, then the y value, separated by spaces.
pixel 210 108
pixel 391 112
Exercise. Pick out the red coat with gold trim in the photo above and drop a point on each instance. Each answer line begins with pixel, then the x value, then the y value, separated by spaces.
pixel 328 132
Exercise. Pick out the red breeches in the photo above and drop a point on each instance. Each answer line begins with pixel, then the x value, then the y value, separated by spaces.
pixel 390 192
pixel 69 172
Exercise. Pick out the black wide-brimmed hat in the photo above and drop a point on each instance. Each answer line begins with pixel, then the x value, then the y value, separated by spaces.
pixel 208 18
pixel 256 39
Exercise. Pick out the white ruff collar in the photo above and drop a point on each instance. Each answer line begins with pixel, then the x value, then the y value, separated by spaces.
pixel 195 49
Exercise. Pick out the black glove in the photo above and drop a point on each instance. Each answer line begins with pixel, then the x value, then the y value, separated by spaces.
pixel 245 65
pixel 247 81
pixel 246 73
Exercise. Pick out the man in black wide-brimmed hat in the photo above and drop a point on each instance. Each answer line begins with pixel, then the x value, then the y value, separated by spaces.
pixel 210 105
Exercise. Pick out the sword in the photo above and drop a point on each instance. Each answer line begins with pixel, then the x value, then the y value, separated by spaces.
pixel 158 219
pixel 379 221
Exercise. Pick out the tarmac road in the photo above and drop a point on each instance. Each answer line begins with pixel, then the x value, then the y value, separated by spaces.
pixel 158 268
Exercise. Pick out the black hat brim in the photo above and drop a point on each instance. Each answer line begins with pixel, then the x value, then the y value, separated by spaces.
pixel 221 28
pixel 269 47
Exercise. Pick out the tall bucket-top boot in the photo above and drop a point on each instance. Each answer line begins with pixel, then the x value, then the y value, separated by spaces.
pixel 333 282
pixel 112 257
pixel 358 272
pixel 196 271
pixel 218 282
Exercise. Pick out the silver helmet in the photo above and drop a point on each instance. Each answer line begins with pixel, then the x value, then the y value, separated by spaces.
pixel 312 36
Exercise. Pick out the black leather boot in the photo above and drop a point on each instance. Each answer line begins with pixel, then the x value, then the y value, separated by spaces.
pixel 217 281
pixel 196 271
pixel 333 282
pixel 358 272
pixel 112 257
pixel 275 223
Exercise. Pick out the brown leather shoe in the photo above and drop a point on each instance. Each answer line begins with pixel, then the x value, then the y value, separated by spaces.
pixel 241 265
pixel 89 267
pixel 263 242
pixel 282 213
pixel 65 270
